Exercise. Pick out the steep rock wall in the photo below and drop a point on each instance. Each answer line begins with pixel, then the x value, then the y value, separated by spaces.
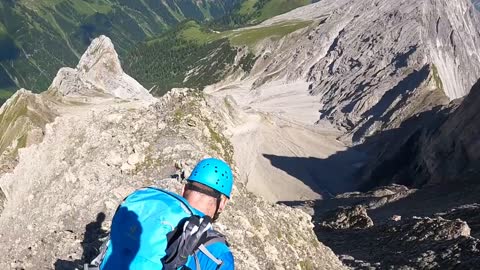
pixel 452 37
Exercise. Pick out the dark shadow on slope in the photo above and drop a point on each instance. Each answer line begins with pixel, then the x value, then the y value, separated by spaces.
pixel 92 240
pixel 326 177
pixel 386 242
pixel 404 87
pixel 384 158
pixel 401 59
pixel 3 200
pixel 389 246
pixel 398 156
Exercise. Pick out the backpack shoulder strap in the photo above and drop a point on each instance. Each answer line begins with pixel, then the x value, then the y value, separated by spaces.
pixel 184 240
pixel 205 251
pixel 212 238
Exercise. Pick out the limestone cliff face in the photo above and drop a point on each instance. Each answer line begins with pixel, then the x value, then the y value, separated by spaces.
pixel 438 147
pixel 452 37
pixel 452 153
pixel 376 63
pixel 95 153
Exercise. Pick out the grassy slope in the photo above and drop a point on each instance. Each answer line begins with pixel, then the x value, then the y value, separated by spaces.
pixel 250 37
pixel 163 62
pixel 19 117
pixel 252 12
pixel 194 32
pixel 276 7
pixel 50 34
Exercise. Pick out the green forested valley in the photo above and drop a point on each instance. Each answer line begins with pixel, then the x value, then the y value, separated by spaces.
pixel 193 55
pixel 37 37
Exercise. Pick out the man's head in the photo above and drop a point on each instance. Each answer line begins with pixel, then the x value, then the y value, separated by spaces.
pixel 209 186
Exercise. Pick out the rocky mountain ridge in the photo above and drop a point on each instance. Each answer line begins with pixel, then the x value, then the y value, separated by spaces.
pixel 98 73
pixel 94 153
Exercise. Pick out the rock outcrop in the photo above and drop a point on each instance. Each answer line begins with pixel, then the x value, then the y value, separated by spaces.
pixel 355 217
pixel 469 213
pixel 435 148
pixel 22 122
pixel 442 240
pixel 453 151
pixel 98 73
pixel 95 153
pixel 414 243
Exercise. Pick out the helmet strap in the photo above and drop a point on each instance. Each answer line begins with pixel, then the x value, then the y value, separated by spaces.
pixel 207 191
pixel 217 214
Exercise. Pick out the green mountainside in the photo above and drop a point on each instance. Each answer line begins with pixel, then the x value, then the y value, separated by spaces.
pixel 37 37
pixel 192 55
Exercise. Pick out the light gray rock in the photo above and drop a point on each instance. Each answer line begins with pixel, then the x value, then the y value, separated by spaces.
pixel 375 63
pixel 355 217
pixel 95 154
pixel 98 73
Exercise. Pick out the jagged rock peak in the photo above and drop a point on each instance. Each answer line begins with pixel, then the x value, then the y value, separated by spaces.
pixel 100 57
pixel 99 74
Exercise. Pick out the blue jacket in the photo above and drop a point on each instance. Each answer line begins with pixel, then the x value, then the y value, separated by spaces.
pixel 139 228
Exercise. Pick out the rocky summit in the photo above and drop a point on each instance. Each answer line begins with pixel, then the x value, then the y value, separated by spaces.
pixel 351 126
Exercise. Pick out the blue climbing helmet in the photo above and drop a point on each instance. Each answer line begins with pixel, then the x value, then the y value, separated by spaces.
pixel 213 173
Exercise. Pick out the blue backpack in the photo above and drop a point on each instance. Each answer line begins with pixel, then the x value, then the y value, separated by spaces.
pixel 155 229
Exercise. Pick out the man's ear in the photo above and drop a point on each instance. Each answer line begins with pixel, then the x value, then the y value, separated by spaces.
pixel 223 202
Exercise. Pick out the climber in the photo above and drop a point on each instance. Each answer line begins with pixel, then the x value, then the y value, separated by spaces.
pixel 157 229
pixel 207 190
